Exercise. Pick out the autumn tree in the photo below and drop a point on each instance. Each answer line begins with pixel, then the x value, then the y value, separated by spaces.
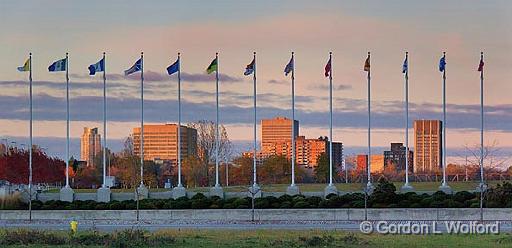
pixel 277 170
pixel 206 143
pixel 322 169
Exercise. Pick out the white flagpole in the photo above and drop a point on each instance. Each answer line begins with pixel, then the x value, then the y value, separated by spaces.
pixel 142 119
pixel 330 120
pixel 217 138
pixel 179 121
pixel 293 121
pixel 30 141
pixel 254 184
pixel 406 186
pixel 67 121
pixel 482 185
pixel 445 184
pixel 104 123
pixel 369 183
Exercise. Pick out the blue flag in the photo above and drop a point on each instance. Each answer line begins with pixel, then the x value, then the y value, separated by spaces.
pixel 174 67
pixel 405 66
pixel 289 67
pixel 135 68
pixel 442 64
pixel 59 65
pixel 100 66
pixel 249 69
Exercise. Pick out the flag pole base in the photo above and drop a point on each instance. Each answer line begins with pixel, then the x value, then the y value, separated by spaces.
pixel 369 188
pixel 406 188
pixel 142 191
pixel 446 188
pixel 482 187
pixel 217 191
pixel 179 191
pixel 293 190
pixel 255 190
pixel 67 194
pixel 330 189
pixel 103 194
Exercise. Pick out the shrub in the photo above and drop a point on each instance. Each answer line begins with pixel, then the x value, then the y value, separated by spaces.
pixel 301 204
pixel 30 237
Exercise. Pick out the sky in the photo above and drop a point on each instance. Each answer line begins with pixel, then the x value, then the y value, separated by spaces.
pixel 273 29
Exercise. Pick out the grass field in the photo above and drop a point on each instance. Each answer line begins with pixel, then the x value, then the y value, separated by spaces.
pixel 312 187
pixel 255 239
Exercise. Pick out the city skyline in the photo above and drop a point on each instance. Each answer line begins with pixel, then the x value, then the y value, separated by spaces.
pixel 162 37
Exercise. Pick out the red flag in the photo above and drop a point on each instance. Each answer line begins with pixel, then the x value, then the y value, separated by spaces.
pixel 328 68
pixel 481 65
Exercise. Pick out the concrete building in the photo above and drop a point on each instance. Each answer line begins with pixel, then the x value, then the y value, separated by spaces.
pixel 161 142
pixel 428 142
pixel 90 146
pixel 276 130
pixel 396 156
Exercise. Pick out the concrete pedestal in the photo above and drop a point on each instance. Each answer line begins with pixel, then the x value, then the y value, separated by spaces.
pixel 406 188
pixel 446 189
pixel 103 194
pixel 330 189
pixel 481 187
pixel 217 191
pixel 369 188
pixel 256 190
pixel 143 192
pixel 293 190
pixel 67 194
pixel 178 192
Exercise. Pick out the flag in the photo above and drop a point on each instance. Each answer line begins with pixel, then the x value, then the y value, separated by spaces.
pixel 442 64
pixel 59 65
pixel 367 64
pixel 135 68
pixel 328 68
pixel 405 66
pixel 249 69
pixel 175 67
pixel 100 66
pixel 25 67
pixel 289 67
pixel 212 67
pixel 481 65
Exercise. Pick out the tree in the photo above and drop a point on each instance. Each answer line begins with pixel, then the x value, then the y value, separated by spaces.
pixel 322 170
pixel 14 167
pixel 193 172
pixel 277 170
pixel 206 145
pixel 127 166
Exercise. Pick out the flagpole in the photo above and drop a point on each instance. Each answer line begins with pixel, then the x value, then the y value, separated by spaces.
pixel 254 184
pixel 293 121
pixel 369 183
pixel 482 185
pixel 445 184
pixel 179 121
pixel 330 120
pixel 104 123
pixel 67 121
pixel 217 143
pixel 30 141
pixel 406 186
pixel 142 119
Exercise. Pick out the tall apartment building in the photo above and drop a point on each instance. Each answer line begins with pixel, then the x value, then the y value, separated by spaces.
pixel 307 151
pixel 396 156
pixel 161 142
pixel 90 146
pixel 376 163
pixel 276 130
pixel 428 142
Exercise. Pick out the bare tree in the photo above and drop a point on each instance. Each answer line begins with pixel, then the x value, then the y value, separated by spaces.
pixel 491 157
pixel 206 144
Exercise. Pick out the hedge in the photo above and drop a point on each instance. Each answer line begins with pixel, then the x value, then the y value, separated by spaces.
pixel 384 196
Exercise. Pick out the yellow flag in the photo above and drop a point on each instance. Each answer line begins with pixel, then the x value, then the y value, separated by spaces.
pixel 25 67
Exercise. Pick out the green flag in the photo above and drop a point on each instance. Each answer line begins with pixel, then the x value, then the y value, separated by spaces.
pixel 212 67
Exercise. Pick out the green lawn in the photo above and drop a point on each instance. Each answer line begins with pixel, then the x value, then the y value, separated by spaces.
pixel 350 187
pixel 272 238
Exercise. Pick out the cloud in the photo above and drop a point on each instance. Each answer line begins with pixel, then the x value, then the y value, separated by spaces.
pixel 152 76
pixel 277 81
pixel 339 87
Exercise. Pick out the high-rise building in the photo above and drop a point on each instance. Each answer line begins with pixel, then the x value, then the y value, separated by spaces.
pixel 396 156
pixel 161 142
pixel 376 163
pixel 90 146
pixel 307 151
pixel 428 142
pixel 276 130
